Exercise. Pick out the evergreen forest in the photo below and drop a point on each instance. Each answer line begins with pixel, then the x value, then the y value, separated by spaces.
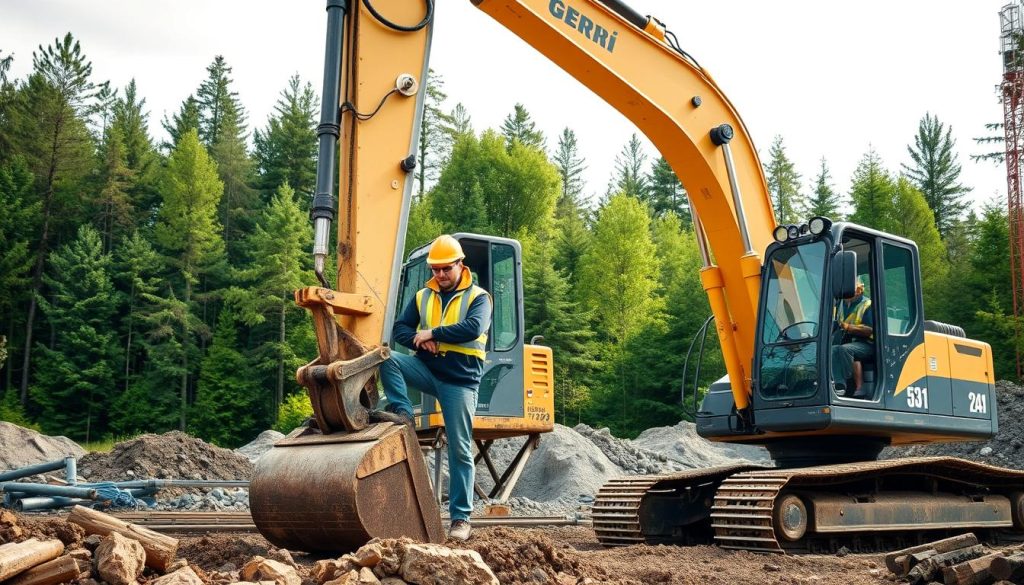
pixel 147 267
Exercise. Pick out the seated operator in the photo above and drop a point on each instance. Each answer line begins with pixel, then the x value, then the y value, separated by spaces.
pixel 856 344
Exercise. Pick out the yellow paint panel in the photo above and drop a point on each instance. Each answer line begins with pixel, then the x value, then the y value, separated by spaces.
pixel 914 368
pixel 970 360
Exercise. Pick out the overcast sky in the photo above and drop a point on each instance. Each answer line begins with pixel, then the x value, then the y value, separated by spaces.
pixel 831 77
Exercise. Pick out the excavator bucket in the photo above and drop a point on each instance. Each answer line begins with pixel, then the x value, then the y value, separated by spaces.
pixel 340 481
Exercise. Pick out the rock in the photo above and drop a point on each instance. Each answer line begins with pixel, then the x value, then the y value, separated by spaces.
pixel 431 564
pixel 985 451
pixel 875 572
pixel 261 569
pixel 92 541
pixel 366 577
pixel 9 529
pixel 120 560
pixel 563 579
pixel 324 571
pixel 842 552
pixel 392 581
pixel 771 568
pixel 176 565
pixel 184 576
pixel 81 554
pixel 227 568
pixel 349 578
pixel 283 555
pixel 369 555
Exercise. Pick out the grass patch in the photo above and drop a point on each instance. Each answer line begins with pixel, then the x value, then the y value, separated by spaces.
pixel 105 444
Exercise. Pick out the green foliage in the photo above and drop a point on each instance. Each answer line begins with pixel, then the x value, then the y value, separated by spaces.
pixel 220 110
pixel 629 177
pixel 824 202
pixel 17 222
pixel 422 226
pixel 75 377
pixel 113 209
pixel 666 193
pixel 936 172
pixel 11 411
pixel 187 118
pixel 914 220
pixel 570 167
pixel 226 410
pixel 619 273
pixel 293 412
pixel 279 264
pixel 552 313
pixel 489 188
pixel 519 128
pixel 872 194
pixel 436 134
pixel 286 150
pixel 783 184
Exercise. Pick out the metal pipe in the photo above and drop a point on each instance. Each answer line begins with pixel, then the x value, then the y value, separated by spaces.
pixel 31 470
pixel 42 489
pixel 71 470
pixel 328 131
pixel 197 483
pixel 48 503
pixel 702 242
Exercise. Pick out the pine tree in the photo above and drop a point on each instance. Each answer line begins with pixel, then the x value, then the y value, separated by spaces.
pixel 188 233
pixel 422 226
pixel 50 128
pixel 435 140
pixel 73 388
pixel 825 201
pixel 138 269
pixel 187 118
pixel 225 411
pixel 17 224
pixel 936 172
pixel 551 313
pixel 234 167
pixel 5 66
pixel 461 125
pixel 666 193
pixel 914 220
pixel 286 150
pixel 113 209
pixel 783 184
pixel 131 122
pixel 872 194
pixel 219 107
pixel 629 176
pixel 570 167
pixel 520 127
pixel 279 265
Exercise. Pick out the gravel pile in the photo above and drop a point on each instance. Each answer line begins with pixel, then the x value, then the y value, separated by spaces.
pixel 682 445
pixel 20 447
pixel 217 499
pixel 260 445
pixel 631 458
pixel 1006 449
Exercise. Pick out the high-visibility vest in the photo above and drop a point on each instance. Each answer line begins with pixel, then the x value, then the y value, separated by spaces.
pixel 856 316
pixel 429 303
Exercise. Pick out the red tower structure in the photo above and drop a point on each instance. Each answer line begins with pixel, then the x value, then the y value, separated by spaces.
pixel 1012 92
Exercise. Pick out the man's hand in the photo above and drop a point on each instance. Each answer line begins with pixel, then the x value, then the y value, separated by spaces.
pixel 430 346
pixel 423 337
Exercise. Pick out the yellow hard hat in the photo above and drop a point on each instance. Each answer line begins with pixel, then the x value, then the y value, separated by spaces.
pixel 445 250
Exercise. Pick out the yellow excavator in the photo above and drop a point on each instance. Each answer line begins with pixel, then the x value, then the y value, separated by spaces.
pixel 774 292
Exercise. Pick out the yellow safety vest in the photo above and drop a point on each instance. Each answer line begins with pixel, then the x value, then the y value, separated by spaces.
pixel 856 317
pixel 429 303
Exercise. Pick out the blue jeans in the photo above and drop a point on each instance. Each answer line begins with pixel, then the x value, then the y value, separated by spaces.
pixel 458 403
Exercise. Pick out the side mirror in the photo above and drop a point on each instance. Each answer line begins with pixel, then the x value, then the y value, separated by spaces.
pixel 844 274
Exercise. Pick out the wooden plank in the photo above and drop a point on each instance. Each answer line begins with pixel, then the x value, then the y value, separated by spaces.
pixel 60 570
pixel 160 549
pixel 940 546
pixel 17 557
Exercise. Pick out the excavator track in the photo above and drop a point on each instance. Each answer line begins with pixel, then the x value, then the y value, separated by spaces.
pixel 867 506
pixel 775 510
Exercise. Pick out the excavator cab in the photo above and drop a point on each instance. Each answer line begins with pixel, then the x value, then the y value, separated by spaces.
pixel 907 393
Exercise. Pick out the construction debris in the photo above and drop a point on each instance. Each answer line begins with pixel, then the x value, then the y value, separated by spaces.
pixel 160 549
pixel 959 560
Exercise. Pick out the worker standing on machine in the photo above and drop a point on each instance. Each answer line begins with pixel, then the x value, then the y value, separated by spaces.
pixel 446 324
pixel 854 320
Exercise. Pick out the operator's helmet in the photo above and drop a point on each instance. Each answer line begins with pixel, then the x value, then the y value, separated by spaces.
pixel 445 250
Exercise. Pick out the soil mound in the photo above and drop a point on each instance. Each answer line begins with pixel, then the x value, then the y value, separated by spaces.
pixel 632 458
pixel 1006 449
pixel 172 455
pixel 682 445
pixel 20 447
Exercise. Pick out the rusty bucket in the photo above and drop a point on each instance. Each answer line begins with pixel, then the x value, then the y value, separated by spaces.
pixel 335 492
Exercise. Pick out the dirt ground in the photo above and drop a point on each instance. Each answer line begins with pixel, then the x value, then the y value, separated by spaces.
pixel 537 555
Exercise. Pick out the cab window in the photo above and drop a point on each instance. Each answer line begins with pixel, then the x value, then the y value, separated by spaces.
pixel 504 321
pixel 900 289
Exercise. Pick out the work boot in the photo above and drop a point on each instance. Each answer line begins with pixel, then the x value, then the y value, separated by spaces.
pixel 459 530
pixel 399 418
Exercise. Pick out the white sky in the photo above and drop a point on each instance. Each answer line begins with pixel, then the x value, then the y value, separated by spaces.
pixel 831 77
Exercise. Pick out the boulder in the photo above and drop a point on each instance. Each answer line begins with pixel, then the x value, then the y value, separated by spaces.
pixel 184 576
pixel 120 560
pixel 261 569
pixel 433 564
